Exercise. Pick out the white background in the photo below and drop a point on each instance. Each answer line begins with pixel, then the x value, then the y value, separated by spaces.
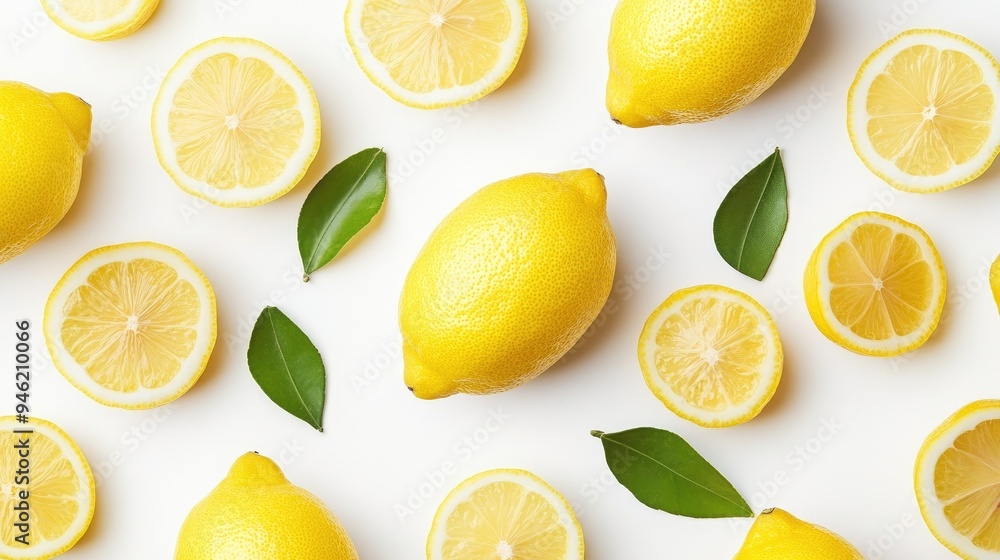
pixel 664 185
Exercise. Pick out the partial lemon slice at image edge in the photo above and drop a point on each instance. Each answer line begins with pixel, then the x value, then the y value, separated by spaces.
pixel 876 285
pixel 712 355
pixel 100 20
pixel 131 326
pixel 61 490
pixel 957 481
pixel 922 111
pixel 505 513
pixel 436 53
pixel 235 122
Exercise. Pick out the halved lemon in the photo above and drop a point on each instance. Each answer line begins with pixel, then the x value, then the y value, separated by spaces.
pixel 59 485
pixel 957 481
pixel 436 53
pixel 876 285
pixel 505 514
pixel 712 355
pixel 922 111
pixel 100 20
pixel 235 122
pixel 131 325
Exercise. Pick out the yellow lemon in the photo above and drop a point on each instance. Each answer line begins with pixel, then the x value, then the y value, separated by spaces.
pixel 59 485
pixel 712 355
pixel 957 481
pixel 255 513
pixel 506 284
pixel 507 514
pixel 131 325
pixel 235 122
pixel 100 20
pixel 688 61
pixel 43 138
pixel 995 281
pixel 779 535
pixel 922 111
pixel 876 285
pixel 436 53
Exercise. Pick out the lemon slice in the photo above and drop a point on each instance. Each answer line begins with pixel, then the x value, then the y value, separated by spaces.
pixel 60 487
pixel 957 481
pixel 876 285
pixel 922 111
pixel 235 123
pixel 100 20
pixel 131 325
pixel 712 355
pixel 436 53
pixel 505 514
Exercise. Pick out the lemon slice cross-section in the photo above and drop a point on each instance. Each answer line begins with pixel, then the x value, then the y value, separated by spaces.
pixel 100 20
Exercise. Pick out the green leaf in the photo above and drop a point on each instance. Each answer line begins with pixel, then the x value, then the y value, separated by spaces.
pixel 752 218
pixel 342 203
pixel 287 366
pixel 665 473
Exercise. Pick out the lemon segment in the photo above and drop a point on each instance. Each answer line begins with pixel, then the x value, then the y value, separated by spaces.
pixel 957 481
pixel 712 355
pixel 436 53
pixel 507 514
pixel 61 491
pixel 132 325
pixel 235 123
pixel 922 111
pixel 100 20
pixel 876 285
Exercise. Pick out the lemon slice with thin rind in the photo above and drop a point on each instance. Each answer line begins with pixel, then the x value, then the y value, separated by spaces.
pixel 436 53
pixel 61 490
pixel 712 355
pixel 922 112
pixel 508 514
pixel 957 481
pixel 100 20
pixel 132 325
pixel 235 122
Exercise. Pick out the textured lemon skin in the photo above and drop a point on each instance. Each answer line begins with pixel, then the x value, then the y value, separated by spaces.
pixel 995 281
pixel 42 141
pixel 109 33
pixel 256 514
pixel 688 61
pixel 779 535
pixel 506 284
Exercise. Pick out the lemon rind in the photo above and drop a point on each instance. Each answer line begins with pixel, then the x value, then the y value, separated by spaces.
pixel 193 366
pixel 939 440
pixel 770 370
pixel 127 22
pixel 857 115
pixel 296 166
pixel 817 288
pixel 531 481
pixel 438 98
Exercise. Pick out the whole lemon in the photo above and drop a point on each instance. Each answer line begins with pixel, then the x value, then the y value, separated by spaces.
pixel 43 137
pixel 506 284
pixel 779 535
pixel 256 514
pixel 686 61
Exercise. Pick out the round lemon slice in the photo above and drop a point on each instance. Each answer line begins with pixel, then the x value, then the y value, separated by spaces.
pixel 922 111
pixel 131 325
pixel 712 355
pixel 235 123
pixel 59 485
pixel 506 514
pixel 100 20
pixel 876 285
pixel 436 53
pixel 957 481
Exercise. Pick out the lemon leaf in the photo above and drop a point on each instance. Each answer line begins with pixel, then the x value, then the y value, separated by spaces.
pixel 341 204
pixel 752 218
pixel 664 472
pixel 287 366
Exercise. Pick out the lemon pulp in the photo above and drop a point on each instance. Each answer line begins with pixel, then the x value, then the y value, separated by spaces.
pixel 89 10
pixel 54 488
pixel 967 483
